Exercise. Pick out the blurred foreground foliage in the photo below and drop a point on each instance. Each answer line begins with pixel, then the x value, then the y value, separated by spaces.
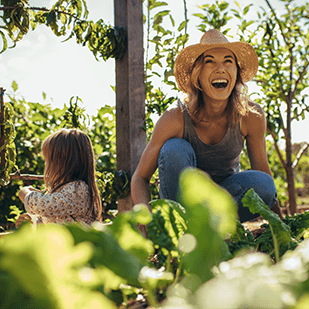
pixel 203 250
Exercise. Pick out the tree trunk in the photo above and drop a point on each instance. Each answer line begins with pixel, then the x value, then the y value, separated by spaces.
pixel 291 190
pixel 289 165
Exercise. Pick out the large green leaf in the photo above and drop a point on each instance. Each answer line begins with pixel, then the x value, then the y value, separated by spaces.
pixel 280 231
pixel 167 225
pixel 211 214
pixel 48 267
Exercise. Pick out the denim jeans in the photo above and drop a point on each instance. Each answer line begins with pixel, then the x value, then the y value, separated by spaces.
pixel 177 154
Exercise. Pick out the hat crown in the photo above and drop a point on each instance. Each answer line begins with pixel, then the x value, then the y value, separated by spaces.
pixel 213 36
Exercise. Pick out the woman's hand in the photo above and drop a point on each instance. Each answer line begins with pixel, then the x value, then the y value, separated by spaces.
pixel 143 229
pixel 21 219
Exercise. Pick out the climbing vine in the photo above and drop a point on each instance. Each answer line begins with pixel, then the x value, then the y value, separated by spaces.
pixel 7 146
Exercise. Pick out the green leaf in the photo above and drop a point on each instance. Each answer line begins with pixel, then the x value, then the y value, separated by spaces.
pixel 182 25
pixel 14 86
pixel 159 3
pixel 5 43
pixel 124 228
pixel 280 231
pixel 167 225
pixel 211 214
pixel 46 278
pixel 246 9
pixel 108 252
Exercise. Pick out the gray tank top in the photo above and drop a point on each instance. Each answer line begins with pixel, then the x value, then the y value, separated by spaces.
pixel 220 160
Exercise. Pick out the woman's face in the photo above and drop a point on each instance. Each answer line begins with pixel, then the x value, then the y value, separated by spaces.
pixel 219 73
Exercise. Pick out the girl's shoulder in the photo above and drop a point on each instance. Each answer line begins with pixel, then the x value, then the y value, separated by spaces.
pixel 73 185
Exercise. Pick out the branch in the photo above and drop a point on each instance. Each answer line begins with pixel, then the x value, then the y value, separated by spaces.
pixel 17 175
pixel 277 148
pixel 301 75
pixel 301 151
pixel 186 19
pixel 273 56
pixel 4 8
pixel 278 22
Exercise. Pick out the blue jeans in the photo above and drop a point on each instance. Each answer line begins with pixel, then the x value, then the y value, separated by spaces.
pixel 177 154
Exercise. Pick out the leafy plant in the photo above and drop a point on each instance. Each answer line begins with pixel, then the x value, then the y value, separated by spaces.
pixel 112 186
pixel 7 146
pixel 165 229
pixel 107 265
pixel 281 233
pixel 102 40
pixel 33 122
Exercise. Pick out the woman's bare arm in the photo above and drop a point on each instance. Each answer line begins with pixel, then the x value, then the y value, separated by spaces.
pixel 168 126
pixel 254 129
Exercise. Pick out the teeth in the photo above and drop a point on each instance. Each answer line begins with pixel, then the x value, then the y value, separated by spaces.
pixel 220 81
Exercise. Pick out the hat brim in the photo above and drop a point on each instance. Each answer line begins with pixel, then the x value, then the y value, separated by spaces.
pixel 246 57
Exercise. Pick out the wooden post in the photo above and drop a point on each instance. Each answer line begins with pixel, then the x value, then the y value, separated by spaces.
pixel 130 92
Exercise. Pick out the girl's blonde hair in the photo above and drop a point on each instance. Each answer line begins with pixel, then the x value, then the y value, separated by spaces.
pixel 238 105
pixel 69 157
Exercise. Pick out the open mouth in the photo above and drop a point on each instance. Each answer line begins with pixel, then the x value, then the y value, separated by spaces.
pixel 220 83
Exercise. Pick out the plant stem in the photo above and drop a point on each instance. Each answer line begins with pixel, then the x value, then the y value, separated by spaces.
pixel 178 271
pixel 168 262
pixel 276 247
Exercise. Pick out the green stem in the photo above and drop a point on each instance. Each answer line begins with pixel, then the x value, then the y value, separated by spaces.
pixel 168 262
pixel 276 247
pixel 178 272
pixel 186 19
pixel 301 234
pixel 152 301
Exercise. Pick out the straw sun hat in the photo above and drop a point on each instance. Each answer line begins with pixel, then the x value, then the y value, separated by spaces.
pixel 245 55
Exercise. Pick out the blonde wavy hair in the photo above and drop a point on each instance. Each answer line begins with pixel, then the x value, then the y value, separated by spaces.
pixel 69 156
pixel 238 105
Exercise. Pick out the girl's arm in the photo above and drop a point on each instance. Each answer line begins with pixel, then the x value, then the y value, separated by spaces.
pixel 169 125
pixel 24 191
pixel 72 198
pixel 21 219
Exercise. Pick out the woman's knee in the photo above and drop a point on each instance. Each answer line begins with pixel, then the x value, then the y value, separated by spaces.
pixel 175 155
pixel 177 151
pixel 262 183
pixel 265 188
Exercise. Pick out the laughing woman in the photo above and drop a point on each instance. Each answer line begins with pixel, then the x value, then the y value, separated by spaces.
pixel 209 129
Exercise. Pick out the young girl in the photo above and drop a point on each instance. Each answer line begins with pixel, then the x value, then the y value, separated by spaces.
pixel 72 194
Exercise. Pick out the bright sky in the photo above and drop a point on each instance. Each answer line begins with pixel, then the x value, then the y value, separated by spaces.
pixel 42 63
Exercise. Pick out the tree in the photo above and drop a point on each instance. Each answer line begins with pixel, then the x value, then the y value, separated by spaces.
pixel 282 44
